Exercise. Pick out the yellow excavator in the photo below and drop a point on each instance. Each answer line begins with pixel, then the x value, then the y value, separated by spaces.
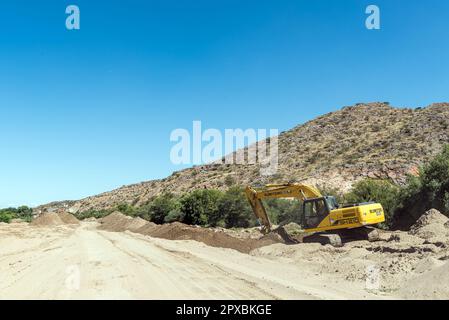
pixel 322 217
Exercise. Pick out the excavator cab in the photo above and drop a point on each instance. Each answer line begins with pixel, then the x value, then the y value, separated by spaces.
pixel 315 210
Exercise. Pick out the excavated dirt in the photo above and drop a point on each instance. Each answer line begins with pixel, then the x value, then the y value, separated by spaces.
pixel 431 225
pixel 412 265
pixel 118 222
pixel 177 231
pixel 55 219
pixel 409 264
pixel 68 218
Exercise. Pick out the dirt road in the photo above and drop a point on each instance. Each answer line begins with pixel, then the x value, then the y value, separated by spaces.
pixel 81 262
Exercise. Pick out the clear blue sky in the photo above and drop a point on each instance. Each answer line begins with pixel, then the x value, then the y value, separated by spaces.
pixel 87 111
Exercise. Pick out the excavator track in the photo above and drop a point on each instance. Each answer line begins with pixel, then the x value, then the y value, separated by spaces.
pixel 333 239
pixel 339 237
pixel 370 234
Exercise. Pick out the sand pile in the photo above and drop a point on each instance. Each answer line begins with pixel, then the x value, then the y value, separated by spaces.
pixel 431 285
pixel 179 231
pixel 431 224
pixel 114 222
pixel 54 219
pixel 213 237
pixel 118 222
pixel 68 218
pixel 136 224
pixel 147 228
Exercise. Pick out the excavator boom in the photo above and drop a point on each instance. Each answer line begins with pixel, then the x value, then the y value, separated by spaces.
pixel 271 191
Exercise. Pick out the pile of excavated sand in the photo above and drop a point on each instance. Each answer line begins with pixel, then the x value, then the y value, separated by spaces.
pixel 211 237
pixel 68 218
pixel 118 222
pixel 179 231
pixel 54 219
pixel 136 224
pixel 147 228
pixel 432 224
pixel 431 285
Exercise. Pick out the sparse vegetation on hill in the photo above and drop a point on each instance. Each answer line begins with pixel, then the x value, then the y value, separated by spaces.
pixel 333 151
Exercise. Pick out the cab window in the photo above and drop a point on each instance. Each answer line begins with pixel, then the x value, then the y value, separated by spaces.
pixel 315 208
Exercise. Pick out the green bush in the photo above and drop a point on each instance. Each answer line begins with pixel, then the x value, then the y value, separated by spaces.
pixel 234 210
pixel 428 190
pixel 174 215
pixel 199 207
pixel 97 214
pixel 283 210
pixel 127 209
pixel 6 216
pixel 382 191
pixel 164 208
pixel 25 213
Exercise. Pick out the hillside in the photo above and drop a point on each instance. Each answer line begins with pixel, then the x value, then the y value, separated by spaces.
pixel 335 150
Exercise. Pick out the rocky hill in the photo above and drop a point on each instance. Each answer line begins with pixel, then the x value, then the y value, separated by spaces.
pixel 335 150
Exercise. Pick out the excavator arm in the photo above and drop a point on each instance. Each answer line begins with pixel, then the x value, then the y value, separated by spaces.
pixel 256 195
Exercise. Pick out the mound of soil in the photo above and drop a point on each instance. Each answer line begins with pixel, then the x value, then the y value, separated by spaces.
pixel 179 231
pixel 135 224
pixel 147 228
pixel 47 219
pixel 68 218
pixel 118 222
pixel 55 219
pixel 430 225
pixel 430 285
pixel 212 237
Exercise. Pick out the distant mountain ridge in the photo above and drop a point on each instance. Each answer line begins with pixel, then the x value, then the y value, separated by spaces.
pixel 367 140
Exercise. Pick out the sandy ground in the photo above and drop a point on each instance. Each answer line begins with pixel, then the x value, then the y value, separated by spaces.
pixel 119 257
pixel 82 262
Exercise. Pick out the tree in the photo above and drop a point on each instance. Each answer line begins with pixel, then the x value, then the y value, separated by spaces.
pixel 161 207
pixel 430 189
pixel 283 210
pixel 200 206
pixel 6 216
pixel 126 209
pixel 234 209
pixel 23 212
